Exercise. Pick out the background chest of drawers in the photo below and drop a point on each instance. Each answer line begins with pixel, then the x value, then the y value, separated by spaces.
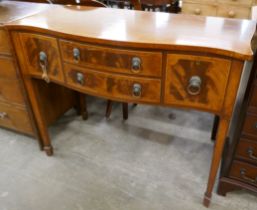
pixel 222 8
pixel 13 110
pixel 239 167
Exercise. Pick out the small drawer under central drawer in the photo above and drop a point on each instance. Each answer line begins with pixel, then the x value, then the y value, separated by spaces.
pixel 132 62
pixel 113 86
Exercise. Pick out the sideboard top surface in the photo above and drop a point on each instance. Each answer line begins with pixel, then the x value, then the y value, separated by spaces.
pixel 11 11
pixel 150 30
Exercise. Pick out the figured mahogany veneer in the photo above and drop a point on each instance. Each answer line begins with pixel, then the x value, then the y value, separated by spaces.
pixel 110 85
pixel 214 73
pixel 32 46
pixel 112 59
pixel 141 57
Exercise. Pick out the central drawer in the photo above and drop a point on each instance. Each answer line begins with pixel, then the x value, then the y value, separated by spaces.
pixel 111 59
pixel 113 86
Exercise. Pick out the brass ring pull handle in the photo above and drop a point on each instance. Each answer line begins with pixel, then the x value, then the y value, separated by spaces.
pixel 137 90
pixel 76 54
pixel 194 86
pixel 136 64
pixel 43 64
pixel 3 115
pixel 80 78
pixel 251 153
pixel 243 176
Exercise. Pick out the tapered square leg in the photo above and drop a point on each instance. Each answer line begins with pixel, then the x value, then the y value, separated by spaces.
pixel 108 109
pixel 216 157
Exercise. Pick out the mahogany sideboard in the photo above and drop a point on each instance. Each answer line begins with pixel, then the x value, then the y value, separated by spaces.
pixel 153 58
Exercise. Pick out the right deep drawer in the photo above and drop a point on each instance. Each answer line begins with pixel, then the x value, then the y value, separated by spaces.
pixel 196 81
pixel 15 118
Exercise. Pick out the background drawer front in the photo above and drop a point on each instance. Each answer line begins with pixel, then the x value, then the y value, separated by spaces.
pixel 110 85
pixel 199 1
pixel 15 118
pixel 233 11
pixel 7 68
pixel 247 150
pixel 199 9
pixel 10 91
pixel 250 126
pixel 244 172
pixel 236 2
pixel 181 71
pixel 253 99
pixel 32 45
pixel 4 42
pixel 115 60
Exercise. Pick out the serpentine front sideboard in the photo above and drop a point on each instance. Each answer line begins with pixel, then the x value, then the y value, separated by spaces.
pixel 134 56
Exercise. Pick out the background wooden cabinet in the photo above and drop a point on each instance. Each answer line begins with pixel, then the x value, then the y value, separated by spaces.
pixel 222 8
pixel 14 113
